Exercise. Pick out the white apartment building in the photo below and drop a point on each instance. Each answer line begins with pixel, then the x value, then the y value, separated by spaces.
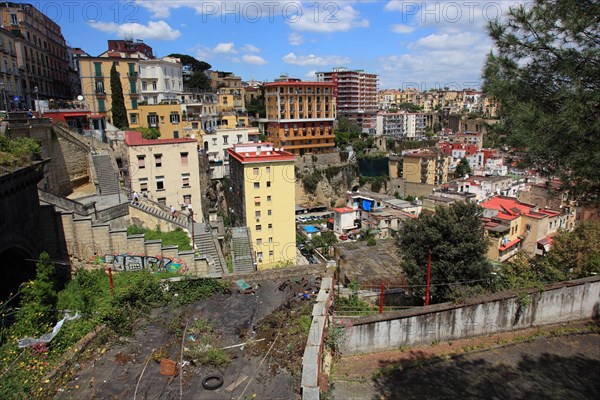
pixel 216 143
pixel 401 125
pixel 201 107
pixel 161 79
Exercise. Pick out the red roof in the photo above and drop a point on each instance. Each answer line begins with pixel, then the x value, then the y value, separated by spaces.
pixel 509 208
pixel 253 157
pixel 134 138
pixel 343 210
pixel 510 244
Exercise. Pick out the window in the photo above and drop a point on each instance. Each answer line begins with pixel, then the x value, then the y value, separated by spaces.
pixel 257 214
pixel 144 86
pixel 270 240
pixel 185 180
pixel 160 183
pixel 176 134
pixel 269 212
pixel 101 106
pixel 256 185
pixel 258 228
pixel 268 199
pixel 97 69
pixel 184 158
pixel 270 253
pixel 162 200
pixel 255 171
pixel 225 139
pixel 258 241
pixel 100 87
pixel 158 160
pixel 152 120
pixel 141 160
pixel 154 87
pixel 174 117
pixel 270 226
pixel 143 184
pixel 268 183
pixel 268 170
pixel 132 87
pixel 13 20
pixel 133 118
pixel 187 199
pixel 134 104
pixel 259 256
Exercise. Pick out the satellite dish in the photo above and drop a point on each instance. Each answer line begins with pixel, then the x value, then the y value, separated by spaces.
pixel 80 98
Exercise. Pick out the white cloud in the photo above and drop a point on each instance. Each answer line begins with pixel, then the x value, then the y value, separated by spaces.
pixel 225 48
pixel 234 60
pixel 311 74
pixel 253 59
pixel 202 53
pixel 295 39
pixel 250 48
pixel 335 19
pixel 312 59
pixel 399 28
pixel 156 30
pixel 447 41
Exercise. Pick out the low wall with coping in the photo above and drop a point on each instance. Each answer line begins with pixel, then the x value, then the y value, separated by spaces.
pixel 313 352
pixel 500 312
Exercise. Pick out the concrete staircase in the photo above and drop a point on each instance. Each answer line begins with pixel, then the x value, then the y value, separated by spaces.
pixel 106 175
pixel 208 245
pixel 144 205
pixel 241 251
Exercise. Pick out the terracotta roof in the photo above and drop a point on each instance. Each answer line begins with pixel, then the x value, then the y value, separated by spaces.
pixel 253 157
pixel 343 210
pixel 509 208
pixel 134 138
pixel 510 244
pixel 273 84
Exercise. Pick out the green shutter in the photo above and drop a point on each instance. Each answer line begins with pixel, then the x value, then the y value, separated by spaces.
pixel 98 68
pixel 101 106
pixel 134 104
pixel 132 87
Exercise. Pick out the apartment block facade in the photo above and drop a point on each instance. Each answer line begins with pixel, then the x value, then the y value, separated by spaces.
pixel 41 55
pixel 355 94
pixel 301 116
pixel 263 186
pixel 402 126
pixel 425 166
pixel 10 78
pixel 161 80
pixel 165 170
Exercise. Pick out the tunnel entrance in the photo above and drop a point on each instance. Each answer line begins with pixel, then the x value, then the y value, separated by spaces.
pixel 17 268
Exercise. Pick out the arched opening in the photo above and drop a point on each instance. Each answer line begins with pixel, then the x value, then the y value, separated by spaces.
pixel 18 267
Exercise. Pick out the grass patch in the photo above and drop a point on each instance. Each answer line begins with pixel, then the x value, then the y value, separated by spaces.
pixel 203 346
pixel 177 237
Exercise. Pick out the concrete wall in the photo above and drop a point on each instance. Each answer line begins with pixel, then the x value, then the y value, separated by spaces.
pixel 566 301
pixel 91 244
pixel 313 352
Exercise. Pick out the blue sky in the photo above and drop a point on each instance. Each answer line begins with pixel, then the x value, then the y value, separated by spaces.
pixel 408 43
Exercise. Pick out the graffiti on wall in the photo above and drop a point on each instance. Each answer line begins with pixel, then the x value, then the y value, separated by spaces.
pixel 129 262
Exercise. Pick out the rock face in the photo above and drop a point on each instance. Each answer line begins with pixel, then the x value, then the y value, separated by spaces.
pixel 333 181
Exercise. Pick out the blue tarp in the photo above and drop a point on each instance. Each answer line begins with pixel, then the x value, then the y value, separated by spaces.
pixel 310 229
pixel 367 205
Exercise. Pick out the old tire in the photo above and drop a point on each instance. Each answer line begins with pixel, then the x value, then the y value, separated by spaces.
pixel 212 382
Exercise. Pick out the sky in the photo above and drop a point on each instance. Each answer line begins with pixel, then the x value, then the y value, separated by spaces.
pixel 424 44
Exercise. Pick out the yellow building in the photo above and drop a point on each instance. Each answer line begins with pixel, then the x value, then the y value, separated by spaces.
pixel 263 182
pixel 300 116
pixel 425 166
pixel 165 171
pixel 95 83
pixel 232 99
pixel 10 81
pixel 168 118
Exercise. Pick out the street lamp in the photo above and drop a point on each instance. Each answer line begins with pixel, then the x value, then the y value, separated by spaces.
pixel 37 99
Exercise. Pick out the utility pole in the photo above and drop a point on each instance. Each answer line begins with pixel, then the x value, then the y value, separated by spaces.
pixel 428 278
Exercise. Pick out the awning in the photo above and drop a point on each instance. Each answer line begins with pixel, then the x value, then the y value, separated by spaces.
pixel 510 244
pixel 546 243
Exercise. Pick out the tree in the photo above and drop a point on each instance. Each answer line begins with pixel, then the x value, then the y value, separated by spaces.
pixel 149 133
pixel 463 168
pixel 118 110
pixel 257 106
pixel 455 237
pixel 546 75
pixel 576 253
pixel 199 80
pixel 190 62
pixel 409 107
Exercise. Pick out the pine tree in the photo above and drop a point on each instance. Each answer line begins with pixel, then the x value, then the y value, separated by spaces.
pixel 118 110
pixel 545 72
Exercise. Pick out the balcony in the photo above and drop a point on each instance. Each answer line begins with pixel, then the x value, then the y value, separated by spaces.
pixel 100 94
pixel 133 75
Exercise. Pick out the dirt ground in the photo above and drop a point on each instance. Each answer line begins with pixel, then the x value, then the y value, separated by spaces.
pixel 540 363
pixel 126 368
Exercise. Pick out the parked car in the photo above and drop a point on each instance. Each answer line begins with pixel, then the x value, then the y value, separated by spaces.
pixel 343 237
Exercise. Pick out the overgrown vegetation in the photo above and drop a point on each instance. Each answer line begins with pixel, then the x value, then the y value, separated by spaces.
pixel 148 133
pixel 203 346
pixel 177 237
pixel 18 152
pixel 88 293
pixel 311 180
